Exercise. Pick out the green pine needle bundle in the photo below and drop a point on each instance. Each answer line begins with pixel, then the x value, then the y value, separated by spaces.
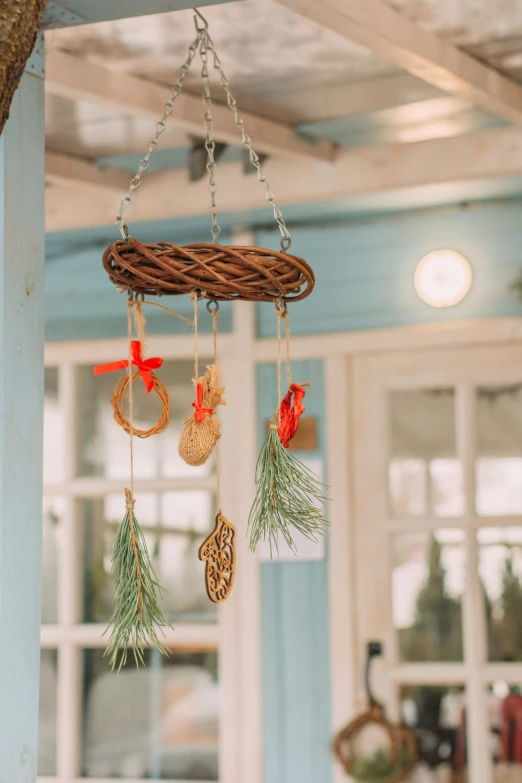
pixel 138 613
pixel 287 497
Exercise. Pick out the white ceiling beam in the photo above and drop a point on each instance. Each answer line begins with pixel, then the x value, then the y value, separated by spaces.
pixel 72 172
pixel 375 25
pixel 485 155
pixel 77 79
pixel 335 100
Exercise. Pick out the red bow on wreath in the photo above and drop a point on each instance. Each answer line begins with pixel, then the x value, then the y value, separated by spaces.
pixel 144 365
pixel 291 413
pixel 200 412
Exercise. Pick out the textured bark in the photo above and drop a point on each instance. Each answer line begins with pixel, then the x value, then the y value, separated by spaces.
pixel 19 24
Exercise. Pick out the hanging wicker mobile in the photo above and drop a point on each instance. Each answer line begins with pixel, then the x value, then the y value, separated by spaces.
pixel 288 495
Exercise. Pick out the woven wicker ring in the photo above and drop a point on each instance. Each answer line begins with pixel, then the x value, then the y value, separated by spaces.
pixel 221 273
pixel 118 402
pixel 402 744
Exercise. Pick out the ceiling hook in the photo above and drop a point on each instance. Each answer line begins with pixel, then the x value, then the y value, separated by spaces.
pixel 205 23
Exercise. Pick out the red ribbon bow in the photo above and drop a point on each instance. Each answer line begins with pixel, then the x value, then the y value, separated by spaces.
pixel 144 365
pixel 201 412
pixel 290 414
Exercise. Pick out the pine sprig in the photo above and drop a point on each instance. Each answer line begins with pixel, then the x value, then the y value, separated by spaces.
pixel 287 496
pixel 138 613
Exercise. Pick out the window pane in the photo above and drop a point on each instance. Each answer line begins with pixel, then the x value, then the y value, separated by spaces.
pixel 158 721
pixel 54 430
pixel 504 704
pixel 106 445
pixel 436 714
pixel 427 587
pixel 499 450
pixel 52 516
pixel 500 564
pixel 47 720
pixel 174 524
pixel 425 477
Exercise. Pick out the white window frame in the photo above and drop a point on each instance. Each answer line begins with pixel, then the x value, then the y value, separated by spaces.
pixel 366 376
pixel 236 635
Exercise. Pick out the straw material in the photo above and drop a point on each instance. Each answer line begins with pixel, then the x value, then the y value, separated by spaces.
pixel 199 438
pixel 19 24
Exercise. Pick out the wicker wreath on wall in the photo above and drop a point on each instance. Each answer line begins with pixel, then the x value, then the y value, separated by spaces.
pixel 19 24
pixel 390 764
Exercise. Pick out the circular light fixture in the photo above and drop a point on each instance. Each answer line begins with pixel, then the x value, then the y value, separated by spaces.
pixel 443 278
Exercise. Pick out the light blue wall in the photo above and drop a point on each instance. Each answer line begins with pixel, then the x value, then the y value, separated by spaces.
pixel 296 672
pixel 364 269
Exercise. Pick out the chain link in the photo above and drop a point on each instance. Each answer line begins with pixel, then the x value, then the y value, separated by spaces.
pixel 286 240
pixel 210 144
pixel 160 128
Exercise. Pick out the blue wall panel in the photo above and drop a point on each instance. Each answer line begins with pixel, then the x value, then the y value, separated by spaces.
pixel 296 670
pixel 365 268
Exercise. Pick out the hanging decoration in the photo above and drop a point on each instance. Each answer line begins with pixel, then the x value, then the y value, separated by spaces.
pixel 218 552
pixel 202 430
pixel 391 762
pixel 138 614
pixel 289 496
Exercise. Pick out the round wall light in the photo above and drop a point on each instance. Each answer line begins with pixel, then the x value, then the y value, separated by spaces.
pixel 443 278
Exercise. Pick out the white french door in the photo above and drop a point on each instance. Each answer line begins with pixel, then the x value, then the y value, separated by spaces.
pixel 437 460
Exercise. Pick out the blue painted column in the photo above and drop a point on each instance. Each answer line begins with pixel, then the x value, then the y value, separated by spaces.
pixel 295 629
pixel 21 424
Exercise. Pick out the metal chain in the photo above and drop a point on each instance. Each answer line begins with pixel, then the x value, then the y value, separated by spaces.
pixel 210 144
pixel 286 239
pixel 205 44
pixel 160 128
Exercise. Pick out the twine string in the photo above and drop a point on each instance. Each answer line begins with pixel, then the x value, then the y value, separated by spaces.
pixel 194 300
pixel 167 310
pixel 131 399
pixel 215 316
pixel 278 367
pixel 288 365
pixel 140 321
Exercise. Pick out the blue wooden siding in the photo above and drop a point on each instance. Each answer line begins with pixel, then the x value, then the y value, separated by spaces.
pixel 365 268
pixel 295 626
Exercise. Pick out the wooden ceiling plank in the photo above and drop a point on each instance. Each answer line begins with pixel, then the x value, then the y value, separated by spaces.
pixel 72 172
pixel 481 156
pixel 77 79
pixel 375 25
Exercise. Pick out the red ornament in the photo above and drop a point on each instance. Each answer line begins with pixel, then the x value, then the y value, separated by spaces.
pixel 291 412
pixel 144 365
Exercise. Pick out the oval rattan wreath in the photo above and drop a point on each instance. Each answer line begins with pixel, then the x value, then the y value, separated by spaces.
pixel 118 401
pixel 222 273
pixel 394 767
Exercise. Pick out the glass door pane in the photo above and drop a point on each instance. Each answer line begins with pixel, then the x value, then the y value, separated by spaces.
pixel 498 465
pixel 425 476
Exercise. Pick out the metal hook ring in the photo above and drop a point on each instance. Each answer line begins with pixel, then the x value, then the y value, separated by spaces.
pixel 286 243
pixel 205 23
pixel 124 229
pixel 212 306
